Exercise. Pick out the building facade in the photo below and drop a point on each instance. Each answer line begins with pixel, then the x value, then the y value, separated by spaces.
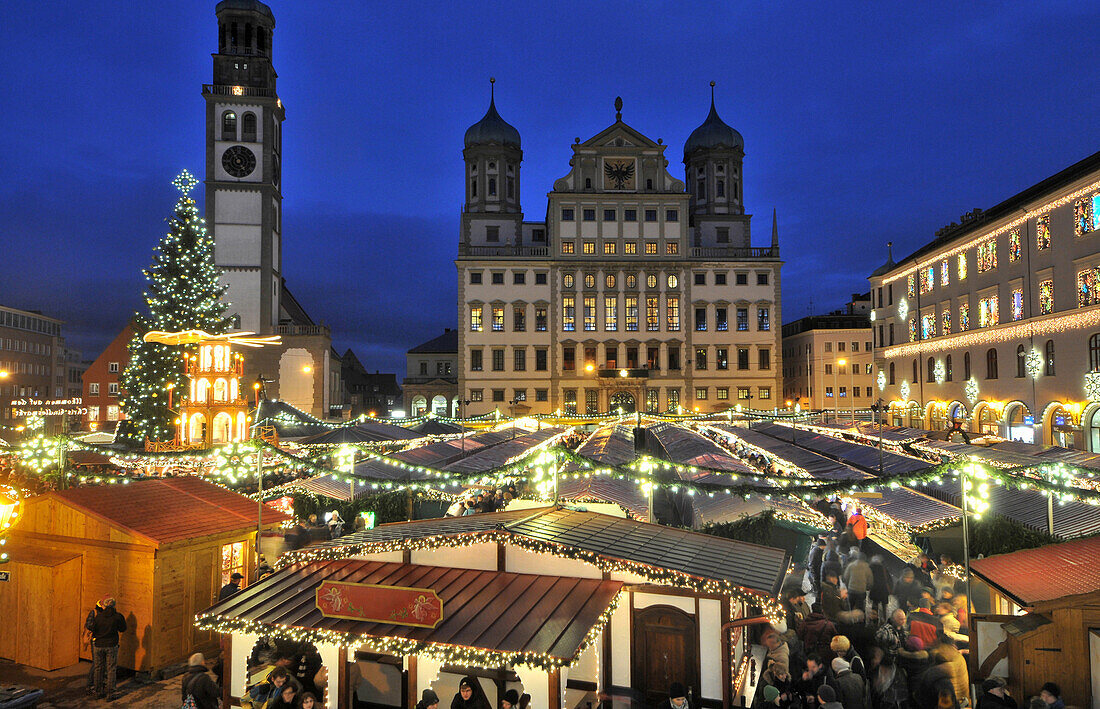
pixel 640 291
pixel 431 377
pixel 32 364
pixel 375 394
pixel 827 364
pixel 996 323
pixel 244 119
pixel 101 393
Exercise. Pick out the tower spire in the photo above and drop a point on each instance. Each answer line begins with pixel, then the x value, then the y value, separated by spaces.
pixel 712 95
pixel 890 251
pixel 775 230
pixel 492 90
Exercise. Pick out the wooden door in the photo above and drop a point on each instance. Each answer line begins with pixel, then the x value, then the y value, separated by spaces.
pixel 1094 665
pixel 666 650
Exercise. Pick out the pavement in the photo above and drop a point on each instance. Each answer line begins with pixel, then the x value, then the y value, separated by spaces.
pixel 65 687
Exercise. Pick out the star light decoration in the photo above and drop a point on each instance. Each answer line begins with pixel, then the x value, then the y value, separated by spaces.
pixel 36 422
pixel 904 390
pixel 185 182
pixel 1092 386
pixel 940 372
pixel 971 390
pixel 903 309
pixel 881 380
pixel 1033 363
pixel 37 453
pixel 235 461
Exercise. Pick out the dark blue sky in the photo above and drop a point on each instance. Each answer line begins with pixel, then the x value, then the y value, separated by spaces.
pixel 878 122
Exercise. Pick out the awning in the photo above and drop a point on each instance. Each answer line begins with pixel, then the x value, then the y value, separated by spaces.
pixel 502 618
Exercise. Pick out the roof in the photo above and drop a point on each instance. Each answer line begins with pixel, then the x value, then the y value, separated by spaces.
pixel 246 5
pixel 1044 573
pixel 169 509
pixel 447 343
pixel 591 534
pixel 713 133
pixel 492 129
pixel 497 611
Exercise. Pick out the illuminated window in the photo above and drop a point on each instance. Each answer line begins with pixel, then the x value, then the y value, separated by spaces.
pixel 609 247
pixel 721 320
pixel 945 322
pixel 475 318
pixel 1087 283
pixel 672 398
pixel 498 319
pixel 912 285
pixel 927 279
pixel 1046 297
pixel 651 281
pixel 610 313
pixel 630 247
pixel 650 248
pixel 1017 304
pixel 742 319
pixel 927 326
pixel 589 280
pixel 569 401
pixel 652 401
pixel 652 314
pixel 232 560
pixel 568 313
pixel 1014 245
pixel 540 318
pixel 962 267
pixel 945 273
pixel 1042 232
pixel 912 329
pixel 700 393
pixel 631 281
pixel 567 247
pixel 964 317
pixel 672 313
pixel 589 313
pixel 567 280
pixel 1086 215
pixel 988 311
pixel 589 247
pixel 609 280
pixel 763 319
pixel 987 255
pixel 722 393
pixel 672 247
pixel 631 306
pixel 673 281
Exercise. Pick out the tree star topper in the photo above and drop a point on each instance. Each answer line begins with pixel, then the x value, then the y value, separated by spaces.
pixel 185 182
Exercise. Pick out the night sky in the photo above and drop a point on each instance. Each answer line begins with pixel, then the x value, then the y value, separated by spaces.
pixel 880 122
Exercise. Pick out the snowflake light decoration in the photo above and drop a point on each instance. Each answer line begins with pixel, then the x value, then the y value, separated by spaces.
pixel 971 390
pixel 904 390
pixel 939 372
pixel 1033 363
pixel 185 182
pixel 37 454
pixel 1092 386
pixel 235 461
pixel 903 309
pixel 881 380
pixel 36 422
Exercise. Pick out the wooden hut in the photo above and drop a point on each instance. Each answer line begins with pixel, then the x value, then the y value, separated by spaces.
pixel 1044 623
pixel 163 548
pixel 571 607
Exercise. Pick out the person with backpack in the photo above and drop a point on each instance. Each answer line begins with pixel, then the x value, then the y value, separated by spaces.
pixel 198 690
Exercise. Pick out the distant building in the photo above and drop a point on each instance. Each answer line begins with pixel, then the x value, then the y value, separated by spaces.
pixel 101 391
pixel 374 394
pixel 431 376
pixel 827 361
pixel 32 362
pixel 995 323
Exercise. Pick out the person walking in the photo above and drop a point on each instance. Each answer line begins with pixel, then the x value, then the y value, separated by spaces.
pixel 198 685
pixel 858 524
pixel 849 686
pixel 832 598
pixel 815 560
pixel 231 588
pixel 881 585
pixel 106 626
pixel 858 579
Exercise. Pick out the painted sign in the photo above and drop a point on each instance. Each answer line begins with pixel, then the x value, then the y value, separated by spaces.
pixel 372 603
pixel 47 407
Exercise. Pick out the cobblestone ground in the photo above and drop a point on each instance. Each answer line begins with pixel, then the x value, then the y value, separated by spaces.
pixel 65 688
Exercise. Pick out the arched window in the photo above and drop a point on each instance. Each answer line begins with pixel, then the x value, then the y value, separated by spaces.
pixel 966 366
pixel 1094 353
pixel 248 127
pixel 991 363
pixel 492 187
pixel 1048 369
pixel 720 189
pixel 1021 362
pixel 229 126
pixel 916 372
pixel 891 373
pixel 930 375
pixel 949 372
pixel 588 183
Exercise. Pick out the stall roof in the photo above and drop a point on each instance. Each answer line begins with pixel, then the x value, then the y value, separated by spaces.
pixel 501 453
pixel 749 566
pixel 686 447
pixel 494 611
pixel 610 445
pixel 365 432
pixel 624 493
pixel 855 454
pixel 1044 573
pixel 289 422
pixel 169 509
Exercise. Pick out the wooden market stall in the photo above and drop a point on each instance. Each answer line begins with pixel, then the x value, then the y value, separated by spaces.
pixel 1045 619
pixel 163 548
pixel 571 607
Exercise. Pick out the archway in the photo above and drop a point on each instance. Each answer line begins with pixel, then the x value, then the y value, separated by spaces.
pixel 196 429
pixel 439 405
pixel 223 428
pixel 956 411
pixel 987 420
pixel 1060 426
pixel 221 390
pixel 897 414
pixel 1090 421
pixel 456 408
pixel 419 406
pixel 937 416
pixel 202 388
pixel 623 400
pixel 913 413
pixel 1019 423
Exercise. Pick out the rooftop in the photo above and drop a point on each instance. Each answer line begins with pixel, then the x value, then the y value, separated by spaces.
pixel 1045 573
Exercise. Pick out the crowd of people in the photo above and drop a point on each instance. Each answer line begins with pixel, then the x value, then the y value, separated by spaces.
pixel 856 636
pixel 490 500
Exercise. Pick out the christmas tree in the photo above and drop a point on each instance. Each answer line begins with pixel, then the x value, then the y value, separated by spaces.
pixel 182 294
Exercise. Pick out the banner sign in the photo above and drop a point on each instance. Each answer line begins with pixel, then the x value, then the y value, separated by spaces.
pixel 21 408
pixel 398 605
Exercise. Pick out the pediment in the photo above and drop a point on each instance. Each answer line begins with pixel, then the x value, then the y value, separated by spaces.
pixel 619 135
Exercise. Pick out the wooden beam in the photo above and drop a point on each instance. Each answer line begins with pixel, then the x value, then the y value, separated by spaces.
pixel 343 680
pixel 410 684
pixel 727 660
pixel 554 689
pixel 227 667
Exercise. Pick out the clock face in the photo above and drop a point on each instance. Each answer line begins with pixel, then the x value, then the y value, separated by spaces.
pixel 239 161
pixel 275 169
pixel 619 173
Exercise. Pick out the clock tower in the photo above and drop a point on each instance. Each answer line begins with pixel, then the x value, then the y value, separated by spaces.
pixel 244 119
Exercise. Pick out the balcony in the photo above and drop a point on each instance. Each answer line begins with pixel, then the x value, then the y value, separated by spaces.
pixel 225 90
pixel 624 374
pixel 290 329
pixel 503 251
pixel 734 253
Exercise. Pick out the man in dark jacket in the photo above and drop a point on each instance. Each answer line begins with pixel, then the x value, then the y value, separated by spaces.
pixel 106 626
pixel 198 685
pixel 817 557
pixel 232 587
pixel 849 686
pixel 995 695
pixel 816 634
pixel 813 677
pixel 832 598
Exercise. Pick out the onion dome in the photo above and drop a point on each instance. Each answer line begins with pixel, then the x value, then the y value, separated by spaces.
pixel 713 133
pixel 492 129
pixel 889 265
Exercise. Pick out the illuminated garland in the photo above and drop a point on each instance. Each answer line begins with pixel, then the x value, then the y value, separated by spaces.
pixel 11 509
pixel 462 655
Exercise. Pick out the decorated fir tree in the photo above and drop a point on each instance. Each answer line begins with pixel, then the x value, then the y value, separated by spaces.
pixel 182 294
